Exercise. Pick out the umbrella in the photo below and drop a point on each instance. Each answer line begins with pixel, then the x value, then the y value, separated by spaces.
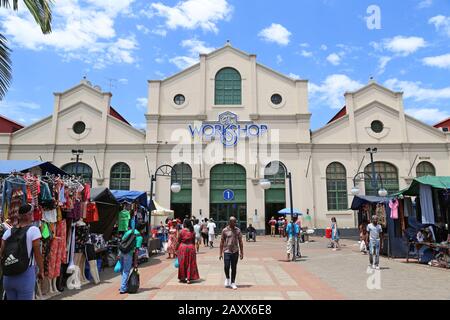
pixel 287 211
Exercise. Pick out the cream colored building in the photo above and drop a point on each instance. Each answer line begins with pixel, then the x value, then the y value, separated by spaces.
pixel 229 85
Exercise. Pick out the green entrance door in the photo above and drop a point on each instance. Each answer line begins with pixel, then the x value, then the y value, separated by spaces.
pixel 181 202
pixel 228 177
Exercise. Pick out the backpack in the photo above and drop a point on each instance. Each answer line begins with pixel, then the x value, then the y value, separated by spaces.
pixel 15 256
pixel 128 244
pixel 133 282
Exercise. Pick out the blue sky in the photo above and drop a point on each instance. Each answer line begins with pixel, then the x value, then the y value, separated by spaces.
pixel 331 43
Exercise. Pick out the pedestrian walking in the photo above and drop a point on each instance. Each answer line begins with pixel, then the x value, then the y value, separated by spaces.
pixel 298 222
pixel 19 252
pixel 231 249
pixel 173 240
pixel 198 237
pixel 363 237
pixel 211 232
pixel 280 226
pixel 187 256
pixel 3 227
pixel 375 231
pixel 292 231
pixel 335 234
pixel 130 244
pixel 273 225
pixel 205 232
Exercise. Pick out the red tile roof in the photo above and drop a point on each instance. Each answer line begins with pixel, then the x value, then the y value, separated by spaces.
pixel 117 115
pixel 443 124
pixel 339 115
pixel 9 126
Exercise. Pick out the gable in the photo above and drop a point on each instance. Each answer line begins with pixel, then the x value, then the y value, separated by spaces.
pixel 83 93
pixel 334 132
pixel 37 133
pixel 120 133
pixel 375 92
pixel 423 133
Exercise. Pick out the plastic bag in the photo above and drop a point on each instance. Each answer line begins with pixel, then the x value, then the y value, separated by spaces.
pixel 133 281
pixel 176 263
pixel 118 267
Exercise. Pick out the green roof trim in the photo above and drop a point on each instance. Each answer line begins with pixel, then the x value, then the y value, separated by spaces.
pixel 435 182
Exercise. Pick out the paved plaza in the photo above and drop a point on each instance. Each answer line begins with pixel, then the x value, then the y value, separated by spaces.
pixel 264 274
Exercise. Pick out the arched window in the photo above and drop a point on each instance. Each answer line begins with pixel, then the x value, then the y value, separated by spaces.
pixel 337 196
pixel 120 177
pixel 80 169
pixel 184 178
pixel 388 173
pixel 275 173
pixel 425 169
pixel 228 88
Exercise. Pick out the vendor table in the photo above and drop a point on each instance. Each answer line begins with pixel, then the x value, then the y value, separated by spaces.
pixel 444 249
pixel 154 244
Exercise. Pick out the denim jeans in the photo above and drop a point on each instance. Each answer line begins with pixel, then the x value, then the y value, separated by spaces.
pixel 374 249
pixel 126 261
pixel 231 261
pixel 21 287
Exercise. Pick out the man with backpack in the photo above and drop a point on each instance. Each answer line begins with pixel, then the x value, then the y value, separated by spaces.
pixel 19 253
pixel 131 241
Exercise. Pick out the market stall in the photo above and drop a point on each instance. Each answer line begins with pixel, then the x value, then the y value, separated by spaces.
pixel 32 166
pixel 108 208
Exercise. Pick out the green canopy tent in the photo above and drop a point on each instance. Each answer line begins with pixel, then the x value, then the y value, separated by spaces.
pixel 414 189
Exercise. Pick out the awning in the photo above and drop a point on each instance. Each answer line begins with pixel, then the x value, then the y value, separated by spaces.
pixel 8 166
pixel 161 211
pixel 108 208
pixel 131 196
pixel 359 201
pixel 439 182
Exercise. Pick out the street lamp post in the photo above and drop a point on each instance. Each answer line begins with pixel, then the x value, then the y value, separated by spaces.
pixel 371 151
pixel 77 159
pixel 164 171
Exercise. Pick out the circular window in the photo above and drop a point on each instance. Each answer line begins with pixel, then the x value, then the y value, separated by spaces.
pixel 377 126
pixel 179 99
pixel 79 127
pixel 276 99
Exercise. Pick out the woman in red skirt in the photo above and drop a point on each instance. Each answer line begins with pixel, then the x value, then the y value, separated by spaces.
pixel 187 256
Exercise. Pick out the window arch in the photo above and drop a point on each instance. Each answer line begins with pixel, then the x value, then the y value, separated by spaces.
pixel 276 174
pixel 388 173
pixel 120 177
pixel 337 196
pixel 80 169
pixel 184 178
pixel 425 168
pixel 228 87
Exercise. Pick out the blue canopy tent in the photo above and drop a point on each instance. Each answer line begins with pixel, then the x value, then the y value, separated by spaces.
pixel 131 196
pixel 287 211
pixel 9 166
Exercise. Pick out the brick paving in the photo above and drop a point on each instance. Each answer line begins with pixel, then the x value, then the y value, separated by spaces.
pixel 264 274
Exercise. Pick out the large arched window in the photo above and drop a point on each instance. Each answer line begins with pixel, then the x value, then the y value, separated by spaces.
pixel 228 87
pixel 80 169
pixel 388 173
pixel 120 177
pixel 337 196
pixel 425 169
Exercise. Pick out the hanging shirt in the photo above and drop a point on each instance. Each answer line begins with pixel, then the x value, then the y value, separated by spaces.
pixel 124 220
pixel 393 204
pixel 426 204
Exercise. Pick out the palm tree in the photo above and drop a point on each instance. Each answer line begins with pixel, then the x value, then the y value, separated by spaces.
pixel 42 14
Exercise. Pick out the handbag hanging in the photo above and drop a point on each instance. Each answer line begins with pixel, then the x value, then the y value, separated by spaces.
pixel 133 281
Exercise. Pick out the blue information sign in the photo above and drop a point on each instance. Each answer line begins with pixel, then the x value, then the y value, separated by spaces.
pixel 228 195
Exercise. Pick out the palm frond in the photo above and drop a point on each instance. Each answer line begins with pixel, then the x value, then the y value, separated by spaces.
pixel 41 12
pixel 5 67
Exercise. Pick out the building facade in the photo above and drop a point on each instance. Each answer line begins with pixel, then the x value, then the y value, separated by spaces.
pixel 227 123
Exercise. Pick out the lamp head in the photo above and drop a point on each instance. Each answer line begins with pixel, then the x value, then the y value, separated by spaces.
pixel 355 191
pixel 175 187
pixel 265 184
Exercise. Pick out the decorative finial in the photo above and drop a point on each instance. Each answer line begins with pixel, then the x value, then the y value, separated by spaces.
pixel 228 43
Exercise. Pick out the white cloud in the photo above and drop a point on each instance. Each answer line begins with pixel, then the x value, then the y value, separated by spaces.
pixel 85 32
pixel 193 14
pixel 441 23
pixel 141 103
pixel 334 59
pixel 429 115
pixel 143 29
pixel 404 46
pixel 425 4
pixel 442 62
pixel 323 47
pixel 294 76
pixel 195 48
pixel 159 32
pixel 306 54
pixel 332 90
pixel 304 45
pixel 382 64
pixel 414 90
pixel 159 60
pixel 279 59
pixel 123 81
pixel 23 111
pixel 276 33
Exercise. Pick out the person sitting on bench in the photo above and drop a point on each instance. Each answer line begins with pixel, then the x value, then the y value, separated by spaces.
pixel 251 233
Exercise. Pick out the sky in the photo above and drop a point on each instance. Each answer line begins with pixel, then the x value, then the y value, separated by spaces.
pixel 338 45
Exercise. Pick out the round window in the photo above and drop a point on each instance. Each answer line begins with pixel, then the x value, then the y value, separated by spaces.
pixel 377 126
pixel 276 99
pixel 179 99
pixel 79 127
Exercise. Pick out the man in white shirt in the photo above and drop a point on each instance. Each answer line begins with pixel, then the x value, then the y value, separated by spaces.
pixel 211 232
pixel 375 233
